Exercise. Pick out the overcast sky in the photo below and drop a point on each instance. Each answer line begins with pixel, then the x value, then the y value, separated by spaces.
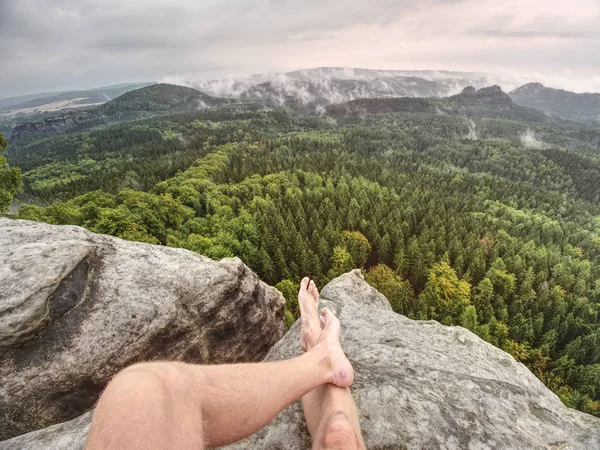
pixel 48 45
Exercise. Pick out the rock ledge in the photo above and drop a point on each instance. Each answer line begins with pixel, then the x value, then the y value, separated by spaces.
pixel 77 307
pixel 418 385
pixel 422 385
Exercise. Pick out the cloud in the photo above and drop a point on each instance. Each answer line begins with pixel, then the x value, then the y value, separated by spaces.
pixel 529 140
pixel 65 44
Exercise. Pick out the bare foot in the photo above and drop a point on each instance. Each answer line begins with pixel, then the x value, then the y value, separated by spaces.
pixel 308 296
pixel 342 373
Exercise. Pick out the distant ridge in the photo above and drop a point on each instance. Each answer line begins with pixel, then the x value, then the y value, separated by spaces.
pixel 319 87
pixel 148 101
pixel 559 103
pixel 489 101
pixel 312 91
pixel 83 97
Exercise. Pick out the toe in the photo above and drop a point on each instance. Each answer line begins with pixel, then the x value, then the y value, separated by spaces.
pixel 332 321
pixel 326 315
pixel 304 284
pixel 323 321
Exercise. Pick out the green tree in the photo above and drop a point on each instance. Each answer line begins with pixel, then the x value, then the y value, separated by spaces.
pixel 289 319
pixel 445 296
pixel 398 291
pixel 10 179
pixel 341 262
pixel 468 319
pixel 358 246
pixel 482 298
pixel 265 266
pixel 519 351
pixel 289 289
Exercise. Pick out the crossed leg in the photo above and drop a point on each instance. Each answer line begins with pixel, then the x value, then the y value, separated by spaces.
pixel 330 411
pixel 184 406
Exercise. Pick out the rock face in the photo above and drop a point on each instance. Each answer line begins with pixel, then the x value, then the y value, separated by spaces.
pixel 53 125
pixel 491 94
pixel 63 436
pixel 422 385
pixel 77 307
pixel 418 385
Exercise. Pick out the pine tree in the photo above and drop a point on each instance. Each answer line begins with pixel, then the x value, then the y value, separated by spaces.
pixel 10 179
pixel 468 319
pixel 341 262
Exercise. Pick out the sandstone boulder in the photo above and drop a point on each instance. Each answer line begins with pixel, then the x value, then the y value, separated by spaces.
pixel 77 307
pixel 422 385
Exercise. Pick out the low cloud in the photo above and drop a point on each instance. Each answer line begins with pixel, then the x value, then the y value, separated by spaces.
pixel 472 135
pixel 529 140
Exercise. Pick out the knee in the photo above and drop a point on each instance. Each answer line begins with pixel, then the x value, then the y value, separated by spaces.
pixel 339 433
pixel 141 383
pixel 167 373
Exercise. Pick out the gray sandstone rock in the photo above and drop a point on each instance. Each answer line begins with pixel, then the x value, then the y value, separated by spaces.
pixel 77 307
pixel 422 385
pixel 63 436
pixel 418 385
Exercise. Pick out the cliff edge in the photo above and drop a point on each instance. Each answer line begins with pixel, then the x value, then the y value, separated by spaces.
pixel 77 307
pixel 422 385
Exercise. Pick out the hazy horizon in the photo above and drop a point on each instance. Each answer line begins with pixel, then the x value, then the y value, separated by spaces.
pixel 58 45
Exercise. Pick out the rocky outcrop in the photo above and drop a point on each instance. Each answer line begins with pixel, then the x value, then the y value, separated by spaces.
pixel 418 385
pixel 490 102
pixel 422 385
pixel 77 307
pixel 491 94
pixel 69 435
pixel 54 125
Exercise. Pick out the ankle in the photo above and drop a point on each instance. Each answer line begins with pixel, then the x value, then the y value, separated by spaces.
pixel 322 356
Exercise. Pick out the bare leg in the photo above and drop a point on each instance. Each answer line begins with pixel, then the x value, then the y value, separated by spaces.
pixel 176 405
pixel 330 411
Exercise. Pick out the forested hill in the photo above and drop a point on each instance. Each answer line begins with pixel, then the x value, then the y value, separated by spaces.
pixel 159 98
pixel 475 212
pixel 148 101
pixel 382 106
pixel 485 102
pixel 560 103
